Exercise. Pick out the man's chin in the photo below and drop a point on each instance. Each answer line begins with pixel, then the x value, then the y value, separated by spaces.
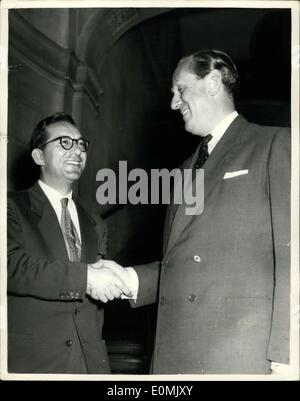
pixel 73 175
pixel 189 127
pixel 192 129
pixel 74 169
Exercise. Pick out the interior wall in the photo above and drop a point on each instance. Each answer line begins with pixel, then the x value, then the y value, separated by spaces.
pixel 258 40
pixel 54 26
pixel 36 84
pixel 130 124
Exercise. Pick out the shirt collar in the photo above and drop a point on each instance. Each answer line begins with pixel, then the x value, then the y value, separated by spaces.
pixel 52 194
pixel 220 129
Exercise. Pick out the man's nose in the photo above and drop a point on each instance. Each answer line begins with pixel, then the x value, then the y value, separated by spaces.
pixel 75 148
pixel 175 102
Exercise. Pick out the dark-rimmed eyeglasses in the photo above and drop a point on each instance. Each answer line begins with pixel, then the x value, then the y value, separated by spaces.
pixel 67 143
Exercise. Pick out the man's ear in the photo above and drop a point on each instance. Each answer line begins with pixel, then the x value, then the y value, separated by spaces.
pixel 214 82
pixel 38 157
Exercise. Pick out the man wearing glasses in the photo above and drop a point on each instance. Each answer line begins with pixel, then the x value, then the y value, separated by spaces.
pixel 54 324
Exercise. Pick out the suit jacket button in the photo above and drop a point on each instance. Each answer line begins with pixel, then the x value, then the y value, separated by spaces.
pixel 69 343
pixel 197 258
pixel 162 300
pixel 192 297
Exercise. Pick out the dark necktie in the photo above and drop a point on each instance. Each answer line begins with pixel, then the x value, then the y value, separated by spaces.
pixel 203 151
pixel 69 232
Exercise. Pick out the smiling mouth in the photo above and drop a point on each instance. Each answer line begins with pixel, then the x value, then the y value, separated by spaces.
pixel 74 162
pixel 185 112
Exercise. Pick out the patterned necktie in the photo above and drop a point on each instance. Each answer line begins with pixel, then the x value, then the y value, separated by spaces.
pixel 69 232
pixel 203 151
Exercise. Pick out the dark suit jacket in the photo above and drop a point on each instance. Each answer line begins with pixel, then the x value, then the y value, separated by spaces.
pixel 48 310
pixel 224 281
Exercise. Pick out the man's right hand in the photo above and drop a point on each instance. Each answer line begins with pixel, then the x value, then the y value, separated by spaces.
pixel 103 284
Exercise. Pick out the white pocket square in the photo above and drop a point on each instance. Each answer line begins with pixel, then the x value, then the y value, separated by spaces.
pixel 232 174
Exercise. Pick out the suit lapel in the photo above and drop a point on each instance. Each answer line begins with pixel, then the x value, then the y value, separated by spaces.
pixel 214 170
pixel 48 224
pixel 171 210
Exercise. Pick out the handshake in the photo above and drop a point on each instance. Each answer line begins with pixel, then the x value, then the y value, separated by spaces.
pixel 107 280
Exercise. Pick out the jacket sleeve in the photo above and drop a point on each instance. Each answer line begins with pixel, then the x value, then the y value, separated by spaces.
pixel 34 274
pixel 148 276
pixel 279 188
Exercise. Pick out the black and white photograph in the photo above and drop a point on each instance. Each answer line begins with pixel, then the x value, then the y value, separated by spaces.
pixel 149 191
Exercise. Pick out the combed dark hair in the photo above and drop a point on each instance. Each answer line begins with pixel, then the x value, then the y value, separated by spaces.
pixel 204 61
pixel 39 135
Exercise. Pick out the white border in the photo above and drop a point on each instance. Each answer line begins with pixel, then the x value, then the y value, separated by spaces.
pixel 294 6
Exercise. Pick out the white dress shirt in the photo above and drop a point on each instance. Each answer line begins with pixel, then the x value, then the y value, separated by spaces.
pixel 219 130
pixel 54 198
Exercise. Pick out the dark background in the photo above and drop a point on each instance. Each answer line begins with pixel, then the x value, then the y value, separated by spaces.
pixel 112 70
